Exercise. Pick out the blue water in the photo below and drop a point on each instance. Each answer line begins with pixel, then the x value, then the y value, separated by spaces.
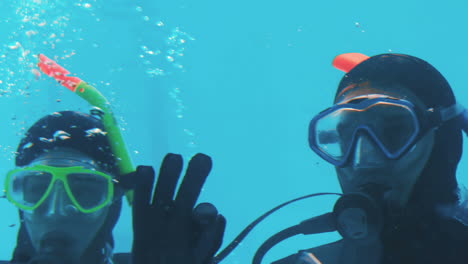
pixel 238 80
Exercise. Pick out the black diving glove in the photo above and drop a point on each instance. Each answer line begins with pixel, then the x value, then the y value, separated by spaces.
pixel 170 230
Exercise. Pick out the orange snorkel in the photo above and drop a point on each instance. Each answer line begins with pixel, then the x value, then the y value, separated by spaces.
pixel 347 61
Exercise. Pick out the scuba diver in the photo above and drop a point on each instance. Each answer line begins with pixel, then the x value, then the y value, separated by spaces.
pixel 394 135
pixel 69 182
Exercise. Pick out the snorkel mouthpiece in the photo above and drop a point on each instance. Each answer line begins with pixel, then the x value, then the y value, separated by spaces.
pixel 54 249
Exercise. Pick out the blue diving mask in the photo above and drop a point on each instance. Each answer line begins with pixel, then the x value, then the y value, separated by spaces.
pixel 395 125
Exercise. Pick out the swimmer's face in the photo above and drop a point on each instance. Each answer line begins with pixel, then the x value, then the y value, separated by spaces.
pixel 369 165
pixel 57 221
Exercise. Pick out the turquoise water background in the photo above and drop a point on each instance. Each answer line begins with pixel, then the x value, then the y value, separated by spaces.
pixel 237 80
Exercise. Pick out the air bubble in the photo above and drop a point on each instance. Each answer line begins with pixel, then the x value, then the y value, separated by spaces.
pixel 28 145
pixel 16 45
pixel 188 132
pixel 94 132
pixel 155 72
pixel 46 140
pixel 62 135
pixel 178 66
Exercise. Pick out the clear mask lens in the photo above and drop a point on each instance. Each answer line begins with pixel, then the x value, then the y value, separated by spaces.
pixel 89 190
pixel 29 187
pixel 392 126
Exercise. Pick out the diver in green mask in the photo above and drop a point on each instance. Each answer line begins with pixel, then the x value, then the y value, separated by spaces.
pixel 72 173
pixel 64 185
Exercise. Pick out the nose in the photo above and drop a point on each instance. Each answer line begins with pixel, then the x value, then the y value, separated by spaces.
pixel 367 154
pixel 58 204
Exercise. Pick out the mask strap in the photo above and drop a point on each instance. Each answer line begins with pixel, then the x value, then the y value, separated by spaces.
pixel 456 110
pixel 451 112
pixel 464 121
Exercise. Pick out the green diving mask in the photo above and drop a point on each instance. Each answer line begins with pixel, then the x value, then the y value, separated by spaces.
pixel 88 190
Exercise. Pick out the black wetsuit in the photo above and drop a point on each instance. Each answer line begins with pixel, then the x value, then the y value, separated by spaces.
pixel 425 243
pixel 118 258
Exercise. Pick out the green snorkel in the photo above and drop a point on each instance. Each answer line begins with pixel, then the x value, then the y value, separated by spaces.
pixel 96 99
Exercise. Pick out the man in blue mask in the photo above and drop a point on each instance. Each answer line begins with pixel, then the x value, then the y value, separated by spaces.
pixel 394 133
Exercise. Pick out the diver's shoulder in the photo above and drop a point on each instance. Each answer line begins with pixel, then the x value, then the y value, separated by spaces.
pixel 120 258
pixel 328 253
pixel 117 258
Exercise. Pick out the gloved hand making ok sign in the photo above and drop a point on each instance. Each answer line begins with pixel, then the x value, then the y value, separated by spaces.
pixel 172 231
